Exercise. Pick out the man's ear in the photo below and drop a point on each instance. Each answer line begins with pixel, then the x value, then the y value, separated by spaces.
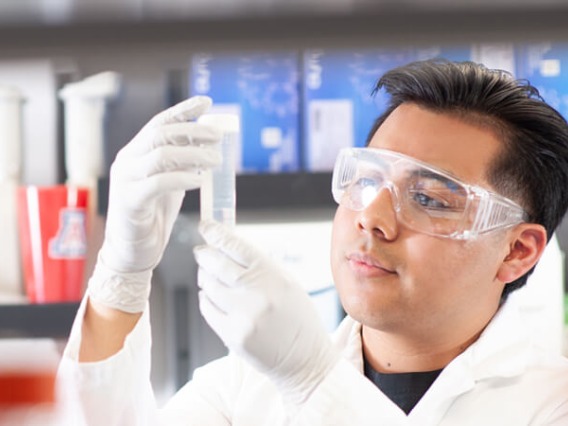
pixel 527 243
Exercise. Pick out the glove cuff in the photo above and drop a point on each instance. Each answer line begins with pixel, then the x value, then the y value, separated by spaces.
pixel 125 291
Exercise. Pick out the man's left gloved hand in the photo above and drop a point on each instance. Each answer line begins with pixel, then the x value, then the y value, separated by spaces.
pixel 261 314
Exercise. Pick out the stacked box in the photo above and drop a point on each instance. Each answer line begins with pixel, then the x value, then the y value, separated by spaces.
pixel 338 105
pixel 263 90
pixel 545 65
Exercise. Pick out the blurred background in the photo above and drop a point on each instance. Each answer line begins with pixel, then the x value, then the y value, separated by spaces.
pixel 298 74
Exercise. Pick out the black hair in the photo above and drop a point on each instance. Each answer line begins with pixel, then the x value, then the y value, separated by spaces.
pixel 532 167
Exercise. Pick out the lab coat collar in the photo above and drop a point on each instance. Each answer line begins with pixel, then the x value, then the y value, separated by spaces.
pixel 502 349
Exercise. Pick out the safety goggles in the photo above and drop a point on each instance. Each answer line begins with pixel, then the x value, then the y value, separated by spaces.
pixel 426 199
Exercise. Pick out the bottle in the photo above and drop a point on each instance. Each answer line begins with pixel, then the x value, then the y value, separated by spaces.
pixel 218 191
pixel 11 120
pixel 85 104
pixel 27 382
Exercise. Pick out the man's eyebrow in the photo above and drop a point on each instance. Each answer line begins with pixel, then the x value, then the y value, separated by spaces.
pixel 430 174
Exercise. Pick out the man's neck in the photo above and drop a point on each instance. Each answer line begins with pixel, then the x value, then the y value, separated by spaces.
pixel 390 353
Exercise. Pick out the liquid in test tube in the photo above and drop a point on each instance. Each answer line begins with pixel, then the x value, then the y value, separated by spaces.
pixel 218 193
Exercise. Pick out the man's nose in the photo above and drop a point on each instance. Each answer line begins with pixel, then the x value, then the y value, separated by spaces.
pixel 379 217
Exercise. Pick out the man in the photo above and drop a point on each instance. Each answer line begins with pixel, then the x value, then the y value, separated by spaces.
pixel 445 212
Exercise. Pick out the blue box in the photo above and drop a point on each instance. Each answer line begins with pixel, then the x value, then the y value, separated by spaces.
pixel 495 56
pixel 338 106
pixel 263 90
pixel 545 66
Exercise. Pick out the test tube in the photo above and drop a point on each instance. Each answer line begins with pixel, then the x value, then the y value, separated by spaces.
pixel 218 193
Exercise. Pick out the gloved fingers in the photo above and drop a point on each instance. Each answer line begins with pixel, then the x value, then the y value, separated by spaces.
pixel 165 169
pixel 233 329
pixel 179 134
pixel 218 293
pixel 219 265
pixel 202 277
pixel 186 110
pixel 225 239
pixel 250 301
pixel 174 158
pixel 185 133
pixel 147 189
pixel 214 316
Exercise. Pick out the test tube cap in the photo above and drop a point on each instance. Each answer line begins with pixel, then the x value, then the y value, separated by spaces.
pixel 225 122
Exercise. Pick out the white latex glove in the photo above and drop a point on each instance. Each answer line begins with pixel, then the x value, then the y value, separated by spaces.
pixel 148 180
pixel 261 313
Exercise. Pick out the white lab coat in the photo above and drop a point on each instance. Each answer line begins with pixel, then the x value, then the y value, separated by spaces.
pixel 502 379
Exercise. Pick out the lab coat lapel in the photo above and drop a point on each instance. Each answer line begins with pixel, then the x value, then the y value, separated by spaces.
pixel 502 350
pixel 348 339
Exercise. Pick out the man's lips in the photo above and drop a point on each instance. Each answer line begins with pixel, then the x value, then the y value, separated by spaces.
pixel 368 265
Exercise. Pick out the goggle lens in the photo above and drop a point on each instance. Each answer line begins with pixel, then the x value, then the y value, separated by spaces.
pixel 426 199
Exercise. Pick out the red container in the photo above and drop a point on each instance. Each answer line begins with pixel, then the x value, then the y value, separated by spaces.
pixel 53 241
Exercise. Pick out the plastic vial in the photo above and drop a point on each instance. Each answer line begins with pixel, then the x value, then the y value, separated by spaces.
pixel 217 194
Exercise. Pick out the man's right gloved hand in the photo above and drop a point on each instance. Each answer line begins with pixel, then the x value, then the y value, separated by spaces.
pixel 261 313
pixel 148 180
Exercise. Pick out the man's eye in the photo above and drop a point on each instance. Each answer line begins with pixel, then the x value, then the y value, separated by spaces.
pixel 365 182
pixel 430 201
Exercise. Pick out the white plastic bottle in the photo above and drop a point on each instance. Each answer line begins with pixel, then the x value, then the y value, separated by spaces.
pixel 218 191
pixel 85 102
pixel 11 100
pixel 85 109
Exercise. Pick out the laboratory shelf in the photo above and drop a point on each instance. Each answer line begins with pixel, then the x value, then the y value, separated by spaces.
pixel 52 320
pixel 280 191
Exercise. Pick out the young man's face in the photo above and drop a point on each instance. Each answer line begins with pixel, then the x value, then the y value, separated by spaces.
pixel 395 279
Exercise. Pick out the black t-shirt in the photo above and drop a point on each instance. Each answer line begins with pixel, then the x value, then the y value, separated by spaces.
pixel 404 389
